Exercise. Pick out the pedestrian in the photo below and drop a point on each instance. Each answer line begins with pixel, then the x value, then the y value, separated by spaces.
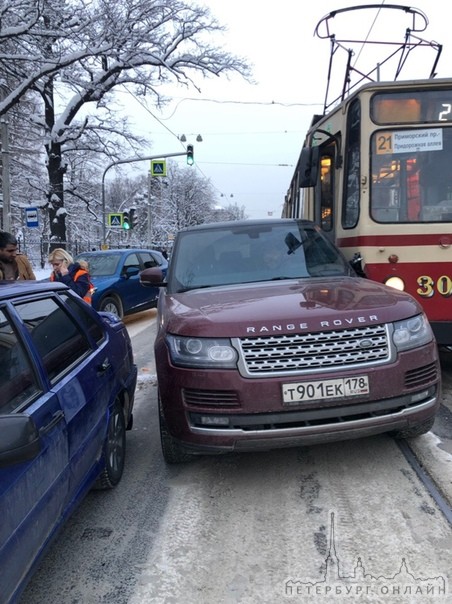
pixel 71 273
pixel 13 265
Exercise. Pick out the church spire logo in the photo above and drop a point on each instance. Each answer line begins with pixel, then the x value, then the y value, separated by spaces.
pixel 333 582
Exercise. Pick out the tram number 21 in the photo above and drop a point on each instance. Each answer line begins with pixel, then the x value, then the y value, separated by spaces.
pixel 428 287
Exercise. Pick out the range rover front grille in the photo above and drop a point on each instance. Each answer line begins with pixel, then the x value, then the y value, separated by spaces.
pixel 286 354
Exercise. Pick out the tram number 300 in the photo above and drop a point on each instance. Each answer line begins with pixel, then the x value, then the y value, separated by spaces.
pixel 428 287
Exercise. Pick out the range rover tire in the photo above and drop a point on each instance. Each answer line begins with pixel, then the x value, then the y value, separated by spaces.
pixel 172 451
pixel 416 430
pixel 113 305
pixel 114 451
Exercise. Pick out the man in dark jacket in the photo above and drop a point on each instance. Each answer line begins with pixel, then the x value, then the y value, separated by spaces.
pixel 13 266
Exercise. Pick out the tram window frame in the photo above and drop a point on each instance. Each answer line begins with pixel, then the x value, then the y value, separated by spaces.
pixel 418 188
pixel 326 188
pixel 351 206
pixel 427 106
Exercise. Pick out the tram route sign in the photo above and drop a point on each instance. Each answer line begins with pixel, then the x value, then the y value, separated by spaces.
pixel 114 220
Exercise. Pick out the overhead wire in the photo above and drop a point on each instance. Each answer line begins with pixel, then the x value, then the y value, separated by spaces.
pixel 161 120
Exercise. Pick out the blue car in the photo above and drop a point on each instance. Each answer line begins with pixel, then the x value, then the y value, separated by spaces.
pixel 67 385
pixel 115 276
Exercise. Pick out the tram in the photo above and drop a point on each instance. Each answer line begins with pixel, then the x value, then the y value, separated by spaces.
pixel 375 172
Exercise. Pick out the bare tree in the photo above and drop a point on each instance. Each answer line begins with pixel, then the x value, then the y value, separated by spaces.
pixel 75 54
pixel 233 212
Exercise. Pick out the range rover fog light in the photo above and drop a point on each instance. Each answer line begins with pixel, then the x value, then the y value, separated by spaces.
pixel 396 283
pixel 419 396
pixel 214 420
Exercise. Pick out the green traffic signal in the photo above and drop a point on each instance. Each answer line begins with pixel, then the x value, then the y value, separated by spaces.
pixel 125 221
pixel 133 218
pixel 190 159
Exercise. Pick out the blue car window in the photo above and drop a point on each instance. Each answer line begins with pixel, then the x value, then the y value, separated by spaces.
pixel 101 265
pixel 90 325
pixel 18 382
pixel 57 338
pixel 131 260
pixel 149 261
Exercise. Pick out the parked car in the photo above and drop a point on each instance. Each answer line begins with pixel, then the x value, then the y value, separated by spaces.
pixel 115 276
pixel 67 384
pixel 267 338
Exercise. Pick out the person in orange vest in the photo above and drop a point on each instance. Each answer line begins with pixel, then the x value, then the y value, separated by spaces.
pixel 71 273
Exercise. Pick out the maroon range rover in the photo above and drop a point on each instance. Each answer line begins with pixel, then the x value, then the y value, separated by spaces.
pixel 267 338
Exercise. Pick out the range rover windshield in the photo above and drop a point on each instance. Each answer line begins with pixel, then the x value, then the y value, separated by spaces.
pixel 241 253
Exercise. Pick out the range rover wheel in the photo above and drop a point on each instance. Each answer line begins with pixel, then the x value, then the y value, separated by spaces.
pixel 113 305
pixel 114 451
pixel 172 451
pixel 416 430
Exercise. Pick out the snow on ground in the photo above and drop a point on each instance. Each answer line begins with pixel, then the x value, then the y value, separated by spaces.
pixel 42 273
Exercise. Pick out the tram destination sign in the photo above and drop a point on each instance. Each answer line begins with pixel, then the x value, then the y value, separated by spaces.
pixel 410 141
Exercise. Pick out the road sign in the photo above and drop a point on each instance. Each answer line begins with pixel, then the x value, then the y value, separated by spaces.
pixel 115 220
pixel 158 167
pixel 31 217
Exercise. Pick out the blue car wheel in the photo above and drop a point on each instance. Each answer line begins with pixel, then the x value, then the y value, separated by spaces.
pixel 114 449
pixel 113 305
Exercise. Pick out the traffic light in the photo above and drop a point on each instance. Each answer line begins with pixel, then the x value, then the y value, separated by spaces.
pixel 190 159
pixel 126 221
pixel 133 220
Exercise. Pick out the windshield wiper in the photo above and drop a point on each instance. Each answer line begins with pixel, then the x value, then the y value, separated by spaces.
pixel 192 287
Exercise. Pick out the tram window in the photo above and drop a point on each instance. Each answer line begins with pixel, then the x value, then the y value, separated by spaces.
pixel 415 186
pixel 350 210
pixel 412 107
pixel 327 192
pixel 388 109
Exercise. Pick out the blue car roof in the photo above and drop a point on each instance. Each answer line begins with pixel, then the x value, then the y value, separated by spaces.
pixel 121 251
pixel 9 289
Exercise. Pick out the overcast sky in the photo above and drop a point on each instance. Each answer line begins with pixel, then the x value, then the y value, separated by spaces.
pixel 253 133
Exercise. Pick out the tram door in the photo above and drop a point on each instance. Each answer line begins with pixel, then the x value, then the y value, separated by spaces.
pixel 324 197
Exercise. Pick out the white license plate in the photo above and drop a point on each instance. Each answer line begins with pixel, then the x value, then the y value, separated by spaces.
pixel 323 389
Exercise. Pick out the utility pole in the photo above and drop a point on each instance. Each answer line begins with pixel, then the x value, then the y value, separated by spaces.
pixel 129 161
pixel 149 225
pixel 6 214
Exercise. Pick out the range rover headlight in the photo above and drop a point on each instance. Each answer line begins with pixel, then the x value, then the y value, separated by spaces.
pixel 213 353
pixel 412 332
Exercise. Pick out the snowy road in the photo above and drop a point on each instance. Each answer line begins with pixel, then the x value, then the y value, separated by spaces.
pixel 342 522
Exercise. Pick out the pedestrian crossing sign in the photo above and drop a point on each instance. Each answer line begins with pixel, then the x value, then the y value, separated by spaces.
pixel 115 220
pixel 158 167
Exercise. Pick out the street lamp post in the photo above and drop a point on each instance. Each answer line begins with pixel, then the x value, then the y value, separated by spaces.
pixel 126 161
pixel 5 174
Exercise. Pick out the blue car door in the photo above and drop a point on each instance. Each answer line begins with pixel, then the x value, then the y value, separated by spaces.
pixel 133 294
pixel 81 376
pixel 32 492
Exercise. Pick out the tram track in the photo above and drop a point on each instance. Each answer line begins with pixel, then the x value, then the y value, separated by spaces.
pixel 427 480
pixel 430 455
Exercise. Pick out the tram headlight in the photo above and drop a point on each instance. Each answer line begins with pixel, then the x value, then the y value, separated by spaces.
pixel 396 283
pixel 411 333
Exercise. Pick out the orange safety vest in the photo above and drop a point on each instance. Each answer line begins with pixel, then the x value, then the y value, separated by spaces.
pixel 88 297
